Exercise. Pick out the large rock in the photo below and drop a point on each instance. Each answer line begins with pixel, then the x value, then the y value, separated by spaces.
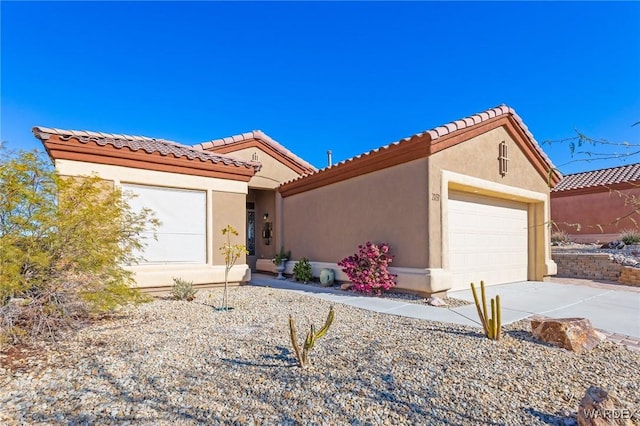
pixel 574 334
pixel 598 408
pixel 617 244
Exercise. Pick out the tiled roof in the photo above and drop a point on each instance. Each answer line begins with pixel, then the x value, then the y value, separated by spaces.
pixel 149 145
pixel 260 135
pixel 611 176
pixel 445 129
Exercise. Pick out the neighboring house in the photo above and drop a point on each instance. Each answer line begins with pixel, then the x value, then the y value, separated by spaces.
pixel 597 205
pixel 467 201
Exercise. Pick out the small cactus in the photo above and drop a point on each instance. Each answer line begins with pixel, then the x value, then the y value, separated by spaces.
pixel 492 325
pixel 310 340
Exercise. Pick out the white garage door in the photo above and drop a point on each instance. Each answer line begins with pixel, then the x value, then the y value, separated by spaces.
pixel 487 240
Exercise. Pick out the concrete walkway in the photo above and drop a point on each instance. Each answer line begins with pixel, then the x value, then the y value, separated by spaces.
pixel 613 309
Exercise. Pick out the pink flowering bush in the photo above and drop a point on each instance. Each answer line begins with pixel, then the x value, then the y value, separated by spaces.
pixel 368 270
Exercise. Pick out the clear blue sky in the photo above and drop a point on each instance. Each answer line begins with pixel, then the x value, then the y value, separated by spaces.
pixel 322 75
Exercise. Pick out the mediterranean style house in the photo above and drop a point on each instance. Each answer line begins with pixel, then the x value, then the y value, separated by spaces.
pixel 598 205
pixel 460 203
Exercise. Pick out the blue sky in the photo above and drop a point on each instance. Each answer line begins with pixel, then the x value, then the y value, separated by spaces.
pixel 348 77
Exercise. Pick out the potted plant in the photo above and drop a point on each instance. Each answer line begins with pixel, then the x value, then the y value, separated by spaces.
pixel 280 260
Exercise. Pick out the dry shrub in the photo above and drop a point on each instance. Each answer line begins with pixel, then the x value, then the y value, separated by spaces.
pixel 64 247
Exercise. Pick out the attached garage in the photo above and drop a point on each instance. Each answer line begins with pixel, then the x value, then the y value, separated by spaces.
pixel 462 202
pixel 488 240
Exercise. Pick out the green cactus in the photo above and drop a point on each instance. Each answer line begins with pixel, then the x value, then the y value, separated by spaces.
pixel 492 326
pixel 310 340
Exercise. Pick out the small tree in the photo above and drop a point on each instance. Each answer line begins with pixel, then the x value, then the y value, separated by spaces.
pixel 64 247
pixel 231 254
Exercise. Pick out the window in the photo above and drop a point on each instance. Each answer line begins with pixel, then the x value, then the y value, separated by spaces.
pixel 251 229
pixel 181 236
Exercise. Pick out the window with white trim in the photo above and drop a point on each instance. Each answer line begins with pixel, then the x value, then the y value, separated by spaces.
pixel 181 236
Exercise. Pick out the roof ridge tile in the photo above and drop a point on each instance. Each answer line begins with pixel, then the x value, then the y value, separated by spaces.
pixel 255 134
pixel 599 177
pixel 135 143
pixel 450 127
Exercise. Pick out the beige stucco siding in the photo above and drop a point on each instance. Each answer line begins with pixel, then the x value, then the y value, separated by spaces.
pixel 225 201
pixel 328 223
pixel 272 173
pixel 478 157
pixel 473 166
pixel 228 209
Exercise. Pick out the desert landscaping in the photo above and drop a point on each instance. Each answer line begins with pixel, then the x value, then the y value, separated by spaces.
pixel 179 362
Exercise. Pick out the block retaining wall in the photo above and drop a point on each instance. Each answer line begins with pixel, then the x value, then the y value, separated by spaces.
pixel 595 266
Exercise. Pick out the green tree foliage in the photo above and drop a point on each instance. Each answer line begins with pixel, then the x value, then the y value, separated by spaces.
pixel 64 245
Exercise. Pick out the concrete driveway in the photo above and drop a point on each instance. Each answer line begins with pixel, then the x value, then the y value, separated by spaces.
pixel 612 308
pixel 609 307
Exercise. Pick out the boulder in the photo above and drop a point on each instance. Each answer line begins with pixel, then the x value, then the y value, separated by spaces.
pixel 574 334
pixel 617 244
pixel 435 301
pixel 345 286
pixel 599 408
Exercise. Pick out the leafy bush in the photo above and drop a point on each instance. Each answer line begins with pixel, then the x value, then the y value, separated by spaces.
pixel 64 244
pixel 560 237
pixel 630 236
pixel 183 290
pixel 368 270
pixel 302 270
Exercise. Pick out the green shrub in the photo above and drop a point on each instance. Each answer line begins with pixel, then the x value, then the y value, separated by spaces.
pixel 630 236
pixel 64 245
pixel 560 237
pixel 183 290
pixel 302 270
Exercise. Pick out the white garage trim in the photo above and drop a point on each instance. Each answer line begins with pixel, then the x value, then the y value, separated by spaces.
pixel 488 240
pixel 540 262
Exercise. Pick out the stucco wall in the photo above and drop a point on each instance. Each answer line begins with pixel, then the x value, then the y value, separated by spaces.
pixel 478 158
pixel 592 216
pixel 228 209
pixel 272 173
pixel 225 205
pixel 328 223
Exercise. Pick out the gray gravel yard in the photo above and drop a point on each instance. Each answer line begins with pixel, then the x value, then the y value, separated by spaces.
pixel 170 362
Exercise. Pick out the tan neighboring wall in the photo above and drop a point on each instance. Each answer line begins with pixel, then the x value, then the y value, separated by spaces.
pixel 473 167
pixel 225 205
pixel 597 214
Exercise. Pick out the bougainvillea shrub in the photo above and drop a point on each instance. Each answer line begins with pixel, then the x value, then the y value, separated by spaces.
pixel 368 270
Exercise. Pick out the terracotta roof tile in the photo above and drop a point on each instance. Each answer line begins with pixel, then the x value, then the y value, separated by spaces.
pixel 602 177
pixel 445 129
pixel 149 145
pixel 256 134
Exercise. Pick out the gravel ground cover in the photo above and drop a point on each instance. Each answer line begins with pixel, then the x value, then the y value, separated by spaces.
pixel 170 362
pixel 450 302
